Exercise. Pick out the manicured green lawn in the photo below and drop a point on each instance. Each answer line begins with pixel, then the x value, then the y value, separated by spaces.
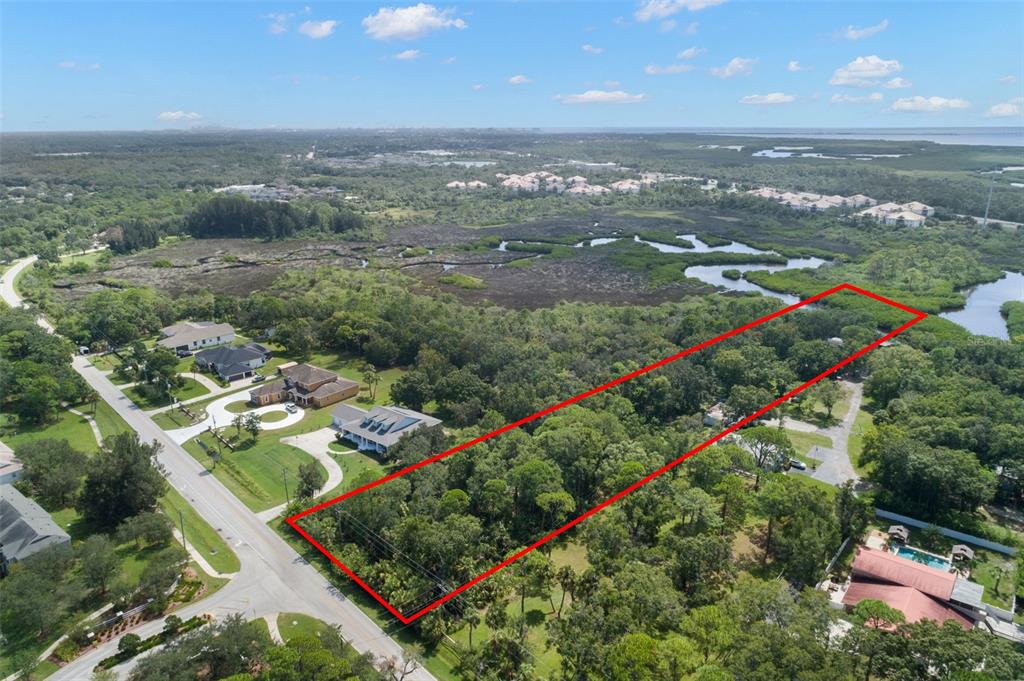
pixel 256 473
pixel 198 533
pixel 172 419
pixel 862 425
pixel 189 390
pixel 354 464
pixel 67 426
pixel 989 569
pixel 272 416
pixel 803 442
pixel 293 624
pixel 108 420
pixel 241 406
pixel 107 362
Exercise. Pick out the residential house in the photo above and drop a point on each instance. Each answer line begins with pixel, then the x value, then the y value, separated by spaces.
pixel 10 466
pixel 305 385
pixel 25 528
pixel 233 363
pixel 917 590
pixel 192 336
pixel 270 392
pixel 380 428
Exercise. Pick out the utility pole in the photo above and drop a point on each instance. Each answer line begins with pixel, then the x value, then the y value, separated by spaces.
pixel 286 499
pixel 181 521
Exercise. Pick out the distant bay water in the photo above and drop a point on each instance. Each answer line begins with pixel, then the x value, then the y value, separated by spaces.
pixel 994 136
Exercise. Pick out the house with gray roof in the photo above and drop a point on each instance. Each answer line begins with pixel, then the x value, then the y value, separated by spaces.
pixel 25 528
pixel 192 336
pixel 380 428
pixel 233 363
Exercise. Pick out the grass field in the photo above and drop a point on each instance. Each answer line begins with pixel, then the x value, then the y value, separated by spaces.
pixel 862 425
pixel 172 419
pixel 67 426
pixel 803 442
pixel 108 420
pixel 292 624
pixel 255 473
pixel 189 390
pixel 198 533
pixel 353 464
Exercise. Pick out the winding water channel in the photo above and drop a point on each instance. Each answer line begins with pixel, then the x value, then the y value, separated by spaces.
pixel 980 315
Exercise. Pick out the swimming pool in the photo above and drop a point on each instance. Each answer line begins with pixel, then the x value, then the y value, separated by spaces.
pixel 922 557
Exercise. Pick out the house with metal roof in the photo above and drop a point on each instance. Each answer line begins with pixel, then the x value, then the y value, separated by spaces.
pixel 192 336
pixel 233 363
pixel 917 590
pixel 25 528
pixel 379 428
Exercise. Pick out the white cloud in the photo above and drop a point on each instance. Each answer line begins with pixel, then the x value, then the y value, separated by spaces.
pixel 478 87
pixel 1006 109
pixel 77 66
pixel 858 32
pixel 690 53
pixel 601 97
pixel 668 25
pixel 448 60
pixel 794 66
pixel 590 49
pixel 662 9
pixel 737 66
pixel 771 98
pixel 928 104
pixel 179 116
pixel 865 71
pixel 278 22
pixel 408 55
pixel 691 28
pixel 410 23
pixel 668 69
pixel 318 29
pixel 519 79
pixel 1008 79
pixel 854 99
pixel 897 84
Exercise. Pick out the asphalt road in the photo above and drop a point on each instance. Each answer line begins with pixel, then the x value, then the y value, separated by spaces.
pixel 273 577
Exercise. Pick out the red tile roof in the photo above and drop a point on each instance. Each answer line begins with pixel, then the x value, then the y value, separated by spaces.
pixel 888 567
pixel 914 605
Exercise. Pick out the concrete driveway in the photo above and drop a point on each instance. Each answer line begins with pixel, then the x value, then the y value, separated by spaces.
pixel 218 416
pixel 316 445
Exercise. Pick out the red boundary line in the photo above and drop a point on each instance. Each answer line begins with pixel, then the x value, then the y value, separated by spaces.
pixel 293 520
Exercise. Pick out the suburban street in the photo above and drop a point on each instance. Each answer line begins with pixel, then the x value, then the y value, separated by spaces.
pixel 273 577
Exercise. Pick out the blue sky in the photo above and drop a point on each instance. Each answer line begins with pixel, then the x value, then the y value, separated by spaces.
pixel 95 66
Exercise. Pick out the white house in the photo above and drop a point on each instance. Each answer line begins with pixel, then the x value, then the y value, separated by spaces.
pixel 194 335
pixel 380 428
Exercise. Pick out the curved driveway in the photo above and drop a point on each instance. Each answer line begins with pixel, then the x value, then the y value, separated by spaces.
pixel 218 415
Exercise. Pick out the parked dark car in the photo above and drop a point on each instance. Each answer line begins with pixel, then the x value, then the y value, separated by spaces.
pixel 259 378
pixel 184 353
pixel 798 464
